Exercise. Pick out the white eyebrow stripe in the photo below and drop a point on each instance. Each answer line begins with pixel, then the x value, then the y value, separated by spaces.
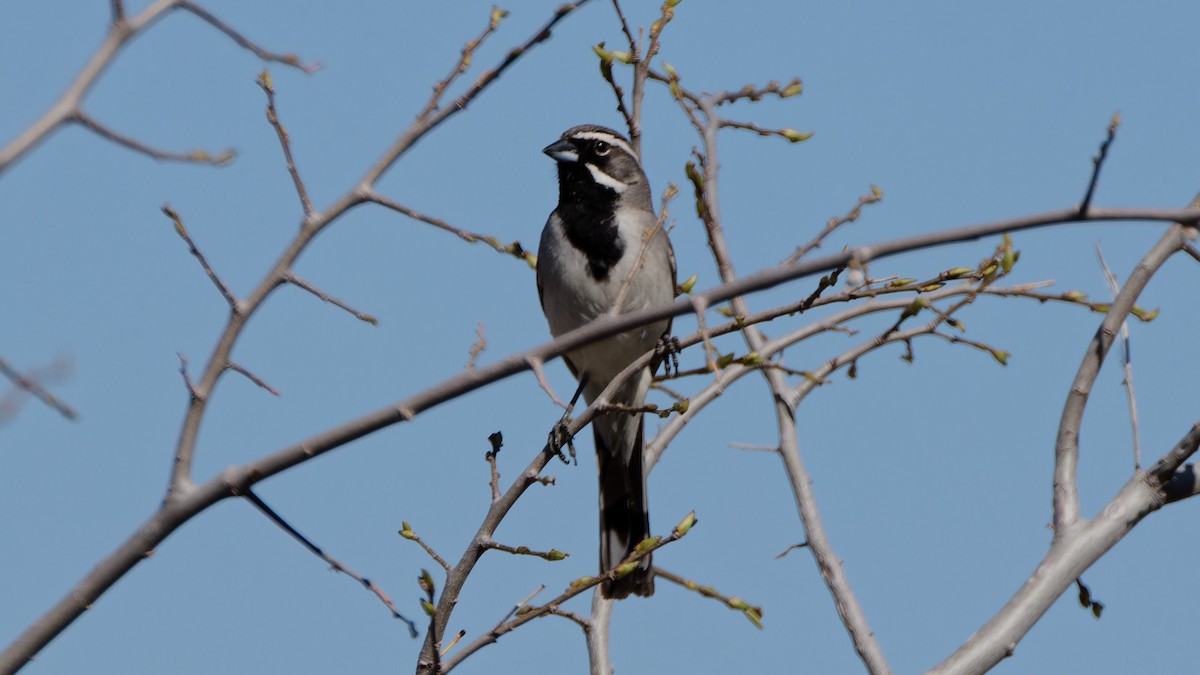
pixel 610 139
pixel 605 179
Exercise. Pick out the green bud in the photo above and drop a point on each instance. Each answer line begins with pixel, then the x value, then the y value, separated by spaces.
pixel 689 284
pixel 556 555
pixel 582 581
pixel 497 15
pixel 754 616
pixel 603 53
pixel 793 89
pixel 796 136
pixel 686 524
pixel 406 531
pixel 902 282
pixel 626 569
pixel 428 607
pixel 669 70
pixel 647 544
pixel 956 273
pixel 1001 356
pixel 623 57
pixel 1074 296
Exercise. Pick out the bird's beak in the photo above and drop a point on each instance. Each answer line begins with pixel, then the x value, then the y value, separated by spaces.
pixel 562 151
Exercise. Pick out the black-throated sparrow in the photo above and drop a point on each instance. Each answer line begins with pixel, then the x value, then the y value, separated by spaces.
pixel 603 245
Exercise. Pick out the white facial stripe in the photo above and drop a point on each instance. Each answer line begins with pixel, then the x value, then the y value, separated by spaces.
pixel 610 139
pixel 605 179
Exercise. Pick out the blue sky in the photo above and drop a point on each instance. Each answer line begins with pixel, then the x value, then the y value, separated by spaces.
pixel 933 478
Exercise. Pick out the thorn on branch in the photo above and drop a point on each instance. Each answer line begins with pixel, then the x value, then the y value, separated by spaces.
pixel 212 275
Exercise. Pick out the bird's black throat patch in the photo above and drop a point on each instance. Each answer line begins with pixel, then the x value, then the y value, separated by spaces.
pixel 588 213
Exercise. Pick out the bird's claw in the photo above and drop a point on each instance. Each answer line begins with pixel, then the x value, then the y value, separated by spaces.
pixel 560 435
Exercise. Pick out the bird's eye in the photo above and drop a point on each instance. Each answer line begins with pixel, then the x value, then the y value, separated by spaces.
pixel 601 148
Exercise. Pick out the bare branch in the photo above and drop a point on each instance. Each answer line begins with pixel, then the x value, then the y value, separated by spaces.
pixel 424 125
pixel 477 348
pixel 406 531
pixel 244 42
pixel 1066 447
pixel 195 156
pixel 334 563
pixel 186 499
pixel 295 280
pixel 187 239
pixel 874 197
pixel 553 555
pixel 578 586
pixel 238 368
pixel 514 249
pixel 1126 363
pixel 464 62
pixel 1097 163
pixel 264 81
pixel 121 31
pixel 497 440
pixel 30 383
pixel 1070 555
pixel 754 614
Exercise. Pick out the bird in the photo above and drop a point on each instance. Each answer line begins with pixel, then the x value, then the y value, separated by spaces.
pixel 603 249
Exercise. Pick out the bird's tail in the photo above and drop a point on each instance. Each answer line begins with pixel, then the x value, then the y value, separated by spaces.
pixel 624 514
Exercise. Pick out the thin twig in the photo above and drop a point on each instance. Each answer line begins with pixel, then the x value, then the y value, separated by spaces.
pixel 29 383
pixel 1066 446
pixel 514 249
pixel 1097 163
pixel 212 275
pixel 477 347
pixel 238 368
pixel 464 62
pixel 834 223
pixel 334 563
pixel 264 81
pixel 553 555
pixel 753 613
pixel 187 379
pixel 535 364
pixel 295 280
pixel 497 441
pixel 1126 363
pixel 657 230
pixel 407 532
pixel 195 156
pixel 576 587
pixel 286 59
